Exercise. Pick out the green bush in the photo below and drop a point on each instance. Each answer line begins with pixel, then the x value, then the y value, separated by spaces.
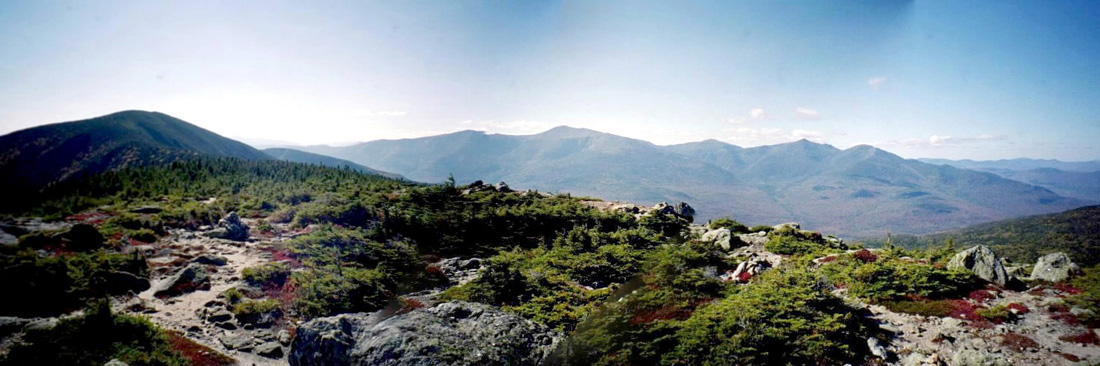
pixel 270 274
pixel 728 223
pixel 891 278
pixel 54 285
pixel 143 235
pixel 93 339
pixel 257 312
pixel 792 245
pixel 786 317
pixel 332 290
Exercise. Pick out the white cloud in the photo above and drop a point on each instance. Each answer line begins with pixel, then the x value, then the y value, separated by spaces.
pixel 875 82
pixel 369 113
pixel 517 127
pixel 942 140
pixel 757 113
pixel 767 136
pixel 807 113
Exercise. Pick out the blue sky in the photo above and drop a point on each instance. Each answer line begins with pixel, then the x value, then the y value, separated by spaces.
pixel 951 79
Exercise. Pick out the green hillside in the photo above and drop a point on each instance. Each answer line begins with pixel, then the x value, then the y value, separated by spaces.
pixel 299 156
pixel 1023 240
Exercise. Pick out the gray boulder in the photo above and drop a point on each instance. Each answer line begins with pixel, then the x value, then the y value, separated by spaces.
pixel 452 333
pixel 214 260
pixel 189 279
pixel 230 227
pixel 982 262
pixel 1055 267
pixel 682 210
pixel 720 237
pixel 121 282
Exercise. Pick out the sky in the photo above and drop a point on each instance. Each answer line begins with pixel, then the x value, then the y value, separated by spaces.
pixel 941 79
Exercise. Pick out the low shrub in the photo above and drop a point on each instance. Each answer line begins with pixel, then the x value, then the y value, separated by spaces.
pixel 728 223
pixel 93 339
pixel 266 275
pixel 257 312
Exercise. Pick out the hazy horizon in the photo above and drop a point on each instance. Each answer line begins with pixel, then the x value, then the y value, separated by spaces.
pixel 982 81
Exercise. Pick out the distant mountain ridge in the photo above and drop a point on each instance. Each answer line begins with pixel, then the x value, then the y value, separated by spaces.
pixel 37 156
pixel 299 156
pixel 861 191
pixel 1071 179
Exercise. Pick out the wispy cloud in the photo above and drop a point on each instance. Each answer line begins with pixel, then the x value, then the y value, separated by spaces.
pixel 755 114
pixel 370 113
pixel 766 135
pixel 875 82
pixel 942 140
pixel 517 127
pixel 807 113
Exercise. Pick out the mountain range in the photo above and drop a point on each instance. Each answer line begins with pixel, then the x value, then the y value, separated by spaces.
pixel 1071 179
pixel 860 192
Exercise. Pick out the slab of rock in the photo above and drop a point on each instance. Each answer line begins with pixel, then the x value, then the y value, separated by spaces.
pixel 193 277
pixel 982 262
pixel 236 342
pixel 211 260
pixel 270 350
pixel 120 282
pixel 720 237
pixel 452 333
pixel 682 210
pixel 1054 267
pixel 230 227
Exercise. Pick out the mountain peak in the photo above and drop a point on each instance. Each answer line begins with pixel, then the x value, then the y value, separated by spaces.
pixel 564 131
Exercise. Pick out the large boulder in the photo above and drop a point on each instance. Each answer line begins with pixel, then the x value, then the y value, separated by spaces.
pixel 193 277
pixel 1054 267
pixel 121 282
pixel 452 333
pixel 682 210
pixel 982 262
pixel 722 238
pixel 230 227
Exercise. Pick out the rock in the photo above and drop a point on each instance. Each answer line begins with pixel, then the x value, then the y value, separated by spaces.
pixel 459 271
pixel 120 283
pixel 189 279
pixel 226 325
pixel 283 337
pixel 1055 267
pixel 236 342
pixel 270 350
pixel 682 210
pixel 502 187
pixel 748 269
pixel 219 316
pixel 970 357
pixel 982 262
pixel 230 227
pixel 473 334
pixel 876 347
pixel 759 238
pixel 787 226
pixel 83 237
pixel 146 210
pixel 115 362
pixel 211 260
pixel 720 237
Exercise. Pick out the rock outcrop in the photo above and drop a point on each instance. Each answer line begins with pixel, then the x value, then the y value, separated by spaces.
pixel 722 238
pixel 982 262
pixel 452 333
pixel 193 277
pixel 230 227
pixel 1055 267
pixel 682 210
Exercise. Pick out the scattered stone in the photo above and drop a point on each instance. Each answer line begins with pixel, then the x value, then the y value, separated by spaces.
pixel 1055 267
pixel 787 226
pixel 236 342
pixel 475 334
pixel 120 282
pixel 211 260
pixel 682 210
pixel 270 350
pixel 219 316
pixel 283 337
pixel 748 269
pixel 230 227
pixel 227 325
pixel 193 277
pixel 982 262
pixel 876 347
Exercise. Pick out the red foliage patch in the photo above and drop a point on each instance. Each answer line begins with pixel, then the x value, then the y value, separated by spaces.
pixel 963 309
pixel 1058 308
pixel 744 276
pixel 1066 288
pixel 980 295
pixel 828 259
pixel 284 255
pixel 435 271
pixel 1020 309
pixel 1037 291
pixel 1019 342
pixel 197 354
pixel 865 256
pixel 1086 337
pixel 670 312
pixel 90 217
pixel 408 305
